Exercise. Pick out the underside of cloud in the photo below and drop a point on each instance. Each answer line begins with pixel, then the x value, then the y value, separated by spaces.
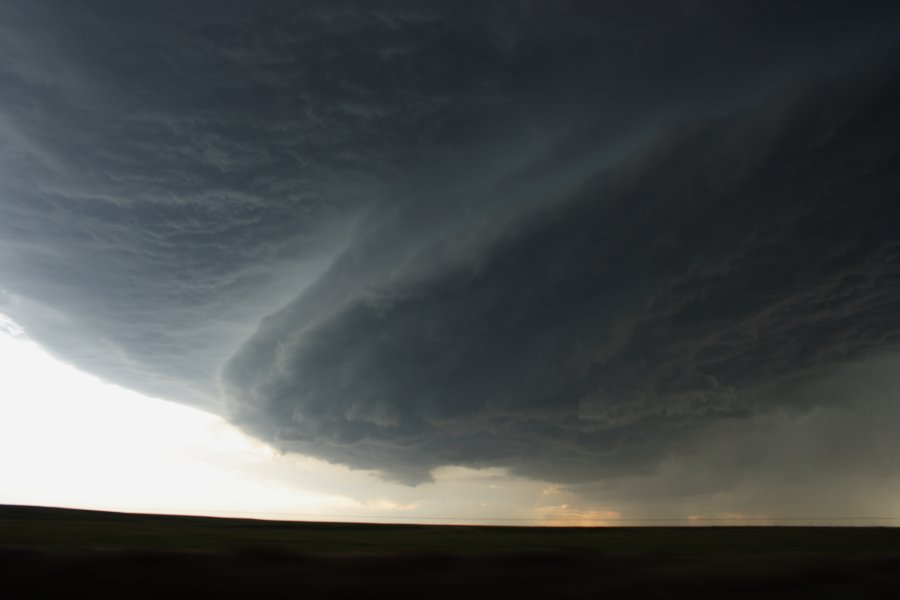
pixel 691 284
pixel 569 239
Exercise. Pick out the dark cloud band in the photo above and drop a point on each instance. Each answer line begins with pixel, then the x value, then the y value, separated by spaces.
pixel 684 287
pixel 562 238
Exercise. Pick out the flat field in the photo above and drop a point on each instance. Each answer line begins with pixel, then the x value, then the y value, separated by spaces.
pixel 47 552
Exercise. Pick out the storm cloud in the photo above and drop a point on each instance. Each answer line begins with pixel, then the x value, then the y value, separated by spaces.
pixel 685 286
pixel 569 239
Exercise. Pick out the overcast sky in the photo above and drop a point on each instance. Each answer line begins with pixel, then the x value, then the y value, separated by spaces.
pixel 644 255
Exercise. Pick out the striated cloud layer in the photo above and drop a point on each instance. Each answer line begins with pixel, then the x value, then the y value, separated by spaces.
pixel 571 239
pixel 692 283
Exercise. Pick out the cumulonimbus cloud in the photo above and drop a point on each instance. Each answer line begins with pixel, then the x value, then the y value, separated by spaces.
pixel 561 238
pixel 683 287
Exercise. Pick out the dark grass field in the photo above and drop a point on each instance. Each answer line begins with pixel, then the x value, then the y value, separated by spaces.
pixel 48 552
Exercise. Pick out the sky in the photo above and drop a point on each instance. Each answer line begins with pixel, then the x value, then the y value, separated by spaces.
pixel 570 261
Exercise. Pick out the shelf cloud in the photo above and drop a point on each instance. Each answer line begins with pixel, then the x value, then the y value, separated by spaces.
pixel 573 240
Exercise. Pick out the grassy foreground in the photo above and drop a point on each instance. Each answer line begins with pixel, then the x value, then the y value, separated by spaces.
pixel 45 551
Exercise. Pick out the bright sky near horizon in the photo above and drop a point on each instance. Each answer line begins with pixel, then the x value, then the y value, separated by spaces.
pixel 126 451
pixel 129 452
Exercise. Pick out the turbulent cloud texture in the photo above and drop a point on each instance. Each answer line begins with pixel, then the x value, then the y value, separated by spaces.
pixel 571 239
pixel 685 286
